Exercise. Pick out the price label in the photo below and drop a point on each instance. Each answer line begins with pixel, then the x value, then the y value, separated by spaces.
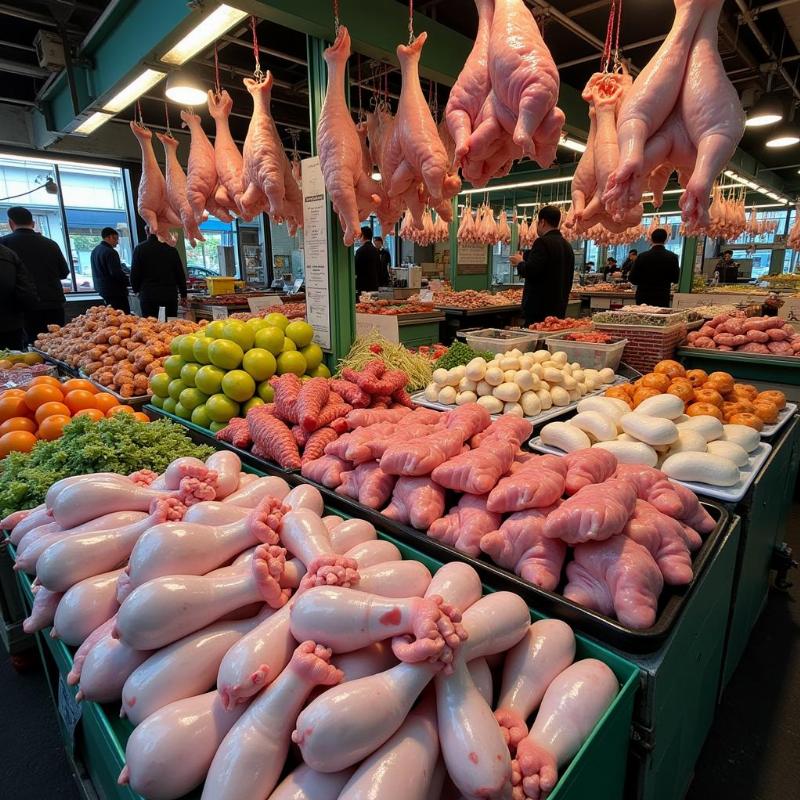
pixel 260 303
pixel 219 312
pixel 426 295
pixel 68 708
pixel 162 314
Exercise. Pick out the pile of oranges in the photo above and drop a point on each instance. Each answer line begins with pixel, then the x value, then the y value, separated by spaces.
pixel 43 408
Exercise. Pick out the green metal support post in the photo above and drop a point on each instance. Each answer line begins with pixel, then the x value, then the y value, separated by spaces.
pixel 453 243
pixel 688 256
pixel 341 267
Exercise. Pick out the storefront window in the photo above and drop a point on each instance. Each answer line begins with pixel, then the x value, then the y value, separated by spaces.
pixel 287 253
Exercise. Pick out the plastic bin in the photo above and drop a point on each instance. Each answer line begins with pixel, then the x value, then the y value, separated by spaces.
pixel 497 340
pixel 221 285
pixel 588 354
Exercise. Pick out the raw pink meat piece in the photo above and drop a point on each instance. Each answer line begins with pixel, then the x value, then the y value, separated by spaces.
pixel 534 484
pixel 616 576
pixel 476 471
pixel 418 501
pixel 421 456
pixel 508 428
pixel 466 523
pixel 368 484
pixel 593 465
pixel 176 189
pixel 596 512
pixel 359 437
pixel 374 446
pixel 471 419
pixel 227 158
pixel 326 470
pixel 521 546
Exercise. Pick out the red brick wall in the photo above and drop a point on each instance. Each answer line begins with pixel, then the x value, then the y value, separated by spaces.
pixel 647 346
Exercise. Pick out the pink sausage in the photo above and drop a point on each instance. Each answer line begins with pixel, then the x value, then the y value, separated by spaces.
pixel 228 467
pixel 34 534
pixel 213 512
pixel 43 611
pixel 255 491
pixel 106 668
pixel 91 640
pixel 347 534
pixel 305 496
pixel 375 658
pixel 308 784
pixel 20 522
pixel 85 607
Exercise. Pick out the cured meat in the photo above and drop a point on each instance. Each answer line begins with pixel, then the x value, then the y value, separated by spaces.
pixel 152 203
pixel 464 526
pixel 350 188
pixel 177 190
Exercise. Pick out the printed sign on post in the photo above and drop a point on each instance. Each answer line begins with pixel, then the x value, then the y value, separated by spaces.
pixel 385 324
pixel 315 251
pixel 219 312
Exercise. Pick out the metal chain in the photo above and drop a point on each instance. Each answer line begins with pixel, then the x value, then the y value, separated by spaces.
pixel 257 73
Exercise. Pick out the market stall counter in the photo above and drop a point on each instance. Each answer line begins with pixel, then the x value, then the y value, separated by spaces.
pixel 490 317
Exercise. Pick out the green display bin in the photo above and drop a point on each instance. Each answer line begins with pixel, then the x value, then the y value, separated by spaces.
pixel 598 769
pixel 12 611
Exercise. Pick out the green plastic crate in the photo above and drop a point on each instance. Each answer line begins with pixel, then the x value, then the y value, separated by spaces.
pixel 598 770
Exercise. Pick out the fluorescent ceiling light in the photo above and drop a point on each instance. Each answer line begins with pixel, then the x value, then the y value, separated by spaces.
pixel 92 123
pixel 203 34
pixel 572 144
pixel 134 90
pixel 506 187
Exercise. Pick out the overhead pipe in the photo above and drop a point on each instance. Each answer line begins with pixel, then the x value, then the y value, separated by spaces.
pixel 33 16
pixel 18 68
pixel 748 19
pixel 266 50
pixel 769 7
pixel 643 43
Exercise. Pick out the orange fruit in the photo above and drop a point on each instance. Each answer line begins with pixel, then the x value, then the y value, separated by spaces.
pixel 119 409
pixel 79 399
pixel 45 380
pixel 17 424
pixel 12 393
pixel 141 416
pixel 104 401
pixel 42 393
pixel 51 409
pixel 13 407
pixel 52 427
pixel 79 383
pixel 16 441
pixel 93 413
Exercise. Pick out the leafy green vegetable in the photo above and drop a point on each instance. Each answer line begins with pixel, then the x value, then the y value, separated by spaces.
pixel 460 353
pixel 119 444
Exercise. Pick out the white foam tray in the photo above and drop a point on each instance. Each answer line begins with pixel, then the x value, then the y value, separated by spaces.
pixel 726 494
pixel 784 415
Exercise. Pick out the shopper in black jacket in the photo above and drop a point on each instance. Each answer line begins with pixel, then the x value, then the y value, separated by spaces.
pixel 110 282
pixel 45 264
pixel 17 295
pixel 157 276
pixel 385 262
pixel 548 269
pixel 654 272
pixel 368 264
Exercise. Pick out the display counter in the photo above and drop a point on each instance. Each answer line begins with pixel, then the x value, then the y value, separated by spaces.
pixel 489 317
pixel 207 309
pixel 411 330
pixel 597 301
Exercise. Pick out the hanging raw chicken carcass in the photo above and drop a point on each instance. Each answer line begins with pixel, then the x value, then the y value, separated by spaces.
pixel 503 231
pixel 353 193
pixel 176 189
pixel 152 203
pixel 379 132
pixel 227 158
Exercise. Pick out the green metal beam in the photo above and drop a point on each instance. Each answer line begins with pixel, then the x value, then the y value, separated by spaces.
pixel 688 256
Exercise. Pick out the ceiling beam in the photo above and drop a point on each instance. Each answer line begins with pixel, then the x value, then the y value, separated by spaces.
pixel 269 51
pixel 18 68
pixel 34 16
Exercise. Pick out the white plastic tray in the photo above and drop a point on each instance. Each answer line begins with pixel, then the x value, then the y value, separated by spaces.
pixel 727 494
pixel 784 415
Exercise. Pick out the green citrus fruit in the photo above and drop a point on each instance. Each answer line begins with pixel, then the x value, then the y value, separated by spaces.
pixel 270 338
pixel 209 379
pixel 320 371
pixel 157 400
pixel 238 385
pixel 300 332
pixel 173 366
pixel 278 320
pixel 159 383
pixel 200 416
pixel 291 361
pixel 186 350
pixel 252 403
pixel 236 331
pixel 214 329
pixel 188 372
pixel 175 388
pixel 175 344
pixel 217 426
pixel 221 408
pixel 200 349
pixel 260 363
pixel 225 354
pixel 182 412
pixel 288 345
pixel 192 398
pixel 312 354
pixel 266 392
pixel 169 405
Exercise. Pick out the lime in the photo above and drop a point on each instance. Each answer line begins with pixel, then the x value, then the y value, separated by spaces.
pixel 256 324
pixel 300 332
pixel 188 372
pixel 175 344
pixel 259 363
pixel 159 384
pixel 157 400
pixel 236 331
pixel 225 353
pixel 173 366
pixel 221 408
pixel 200 349
pixel 169 405
pixel 217 426
pixel 320 371
pixel 238 385
pixel 214 329
pixel 181 411
pixel 252 403
pixel 278 320
pixel 186 350
pixel 266 392
pixel 192 398
pixel 175 388
pixel 288 344
pixel 200 416
pixel 291 361
pixel 209 379
pixel 270 338
pixel 312 354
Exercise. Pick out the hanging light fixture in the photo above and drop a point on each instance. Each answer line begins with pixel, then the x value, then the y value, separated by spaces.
pixel 767 111
pixel 183 87
pixel 784 135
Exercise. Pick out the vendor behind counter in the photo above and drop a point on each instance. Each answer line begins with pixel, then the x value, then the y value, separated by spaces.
pixel 727 270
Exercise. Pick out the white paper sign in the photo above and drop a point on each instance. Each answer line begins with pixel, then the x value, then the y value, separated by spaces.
pixel 162 314
pixel 385 324
pixel 219 312
pixel 315 251
pixel 426 295
pixel 472 254
pixel 257 304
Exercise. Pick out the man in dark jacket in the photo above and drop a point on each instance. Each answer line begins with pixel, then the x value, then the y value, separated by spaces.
pixel 368 264
pixel 47 266
pixel 655 271
pixel 627 264
pixel 157 276
pixel 548 269
pixel 17 295
pixel 110 282
pixel 386 262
